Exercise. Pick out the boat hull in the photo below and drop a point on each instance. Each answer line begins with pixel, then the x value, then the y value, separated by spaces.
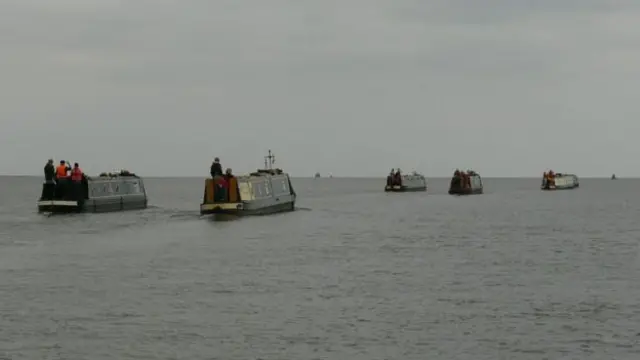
pixel 59 206
pixel 554 188
pixel 466 191
pixel 397 188
pixel 240 209
pixel 120 203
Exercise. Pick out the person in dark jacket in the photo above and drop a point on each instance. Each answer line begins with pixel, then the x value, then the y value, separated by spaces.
pixel 48 189
pixel 49 171
pixel 216 168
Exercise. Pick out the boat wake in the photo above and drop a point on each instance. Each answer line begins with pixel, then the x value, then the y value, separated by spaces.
pixel 185 215
pixel 170 213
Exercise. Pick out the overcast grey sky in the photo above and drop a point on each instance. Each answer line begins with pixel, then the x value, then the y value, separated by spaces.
pixel 351 87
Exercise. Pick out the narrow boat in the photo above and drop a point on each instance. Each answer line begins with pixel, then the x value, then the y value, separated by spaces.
pixel 465 183
pixel 398 182
pixel 559 181
pixel 613 177
pixel 106 193
pixel 263 192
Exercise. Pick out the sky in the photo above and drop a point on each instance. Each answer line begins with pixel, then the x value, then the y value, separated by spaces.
pixel 349 87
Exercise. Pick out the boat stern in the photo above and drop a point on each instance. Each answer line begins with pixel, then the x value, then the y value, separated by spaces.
pixel 222 208
pixel 218 200
pixel 58 206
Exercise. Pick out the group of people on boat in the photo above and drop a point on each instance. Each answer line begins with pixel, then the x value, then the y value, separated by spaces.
pixel 462 179
pixel 549 178
pixel 394 178
pixel 62 172
pixel 56 177
pixel 221 180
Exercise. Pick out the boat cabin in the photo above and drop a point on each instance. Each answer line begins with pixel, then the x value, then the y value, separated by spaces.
pixel 559 181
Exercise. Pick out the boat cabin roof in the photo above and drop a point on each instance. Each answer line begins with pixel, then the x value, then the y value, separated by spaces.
pixel 469 172
pixel 263 172
pixel 123 173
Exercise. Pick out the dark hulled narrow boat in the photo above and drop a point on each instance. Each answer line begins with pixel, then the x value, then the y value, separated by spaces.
pixel 105 193
pixel 466 183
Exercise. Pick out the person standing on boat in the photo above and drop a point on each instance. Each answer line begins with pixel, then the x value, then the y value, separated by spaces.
pixel 76 182
pixel 220 191
pixel 216 168
pixel 398 178
pixel 61 170
pixel 48 189
pixel 49 172
pixel 390 178
pixel 76 174
pixel 465 179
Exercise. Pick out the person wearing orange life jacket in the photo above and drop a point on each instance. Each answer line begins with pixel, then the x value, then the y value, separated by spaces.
pixel 76 191
pixel 61 170
pixel 76 173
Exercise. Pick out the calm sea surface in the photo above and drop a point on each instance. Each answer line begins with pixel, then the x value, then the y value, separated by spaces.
pixel 515 273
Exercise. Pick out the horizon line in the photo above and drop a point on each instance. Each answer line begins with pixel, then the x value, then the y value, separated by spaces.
pixel 340 177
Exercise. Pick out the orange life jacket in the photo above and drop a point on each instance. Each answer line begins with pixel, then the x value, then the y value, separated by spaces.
pixel 61 171
pixel 76 174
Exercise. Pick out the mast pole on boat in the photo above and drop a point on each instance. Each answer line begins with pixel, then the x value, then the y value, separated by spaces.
pixel 269 160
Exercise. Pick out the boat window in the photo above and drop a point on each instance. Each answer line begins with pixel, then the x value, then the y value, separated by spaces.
pixel 125 189
pixel 260 189
pixel 477 182
pixel 97 190
pixel 245 191
pixel 280 186
pixel 257 189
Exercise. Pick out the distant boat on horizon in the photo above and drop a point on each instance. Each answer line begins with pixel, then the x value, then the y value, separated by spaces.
pixel 613 177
